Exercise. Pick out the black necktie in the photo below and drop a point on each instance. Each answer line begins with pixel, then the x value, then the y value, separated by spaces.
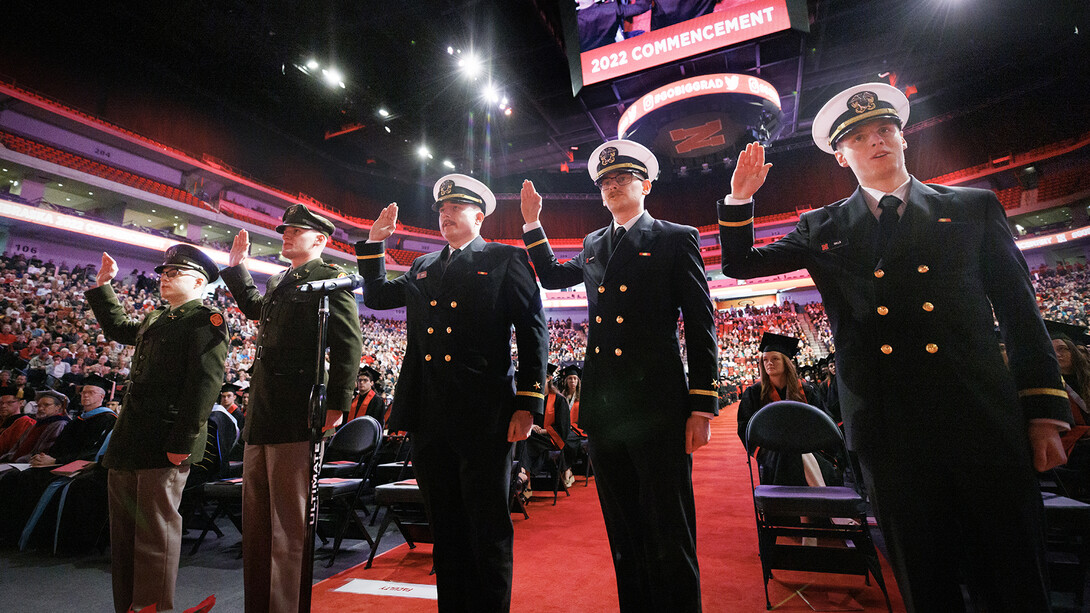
pixel 887 221
pixel 450 256
pixel 618 234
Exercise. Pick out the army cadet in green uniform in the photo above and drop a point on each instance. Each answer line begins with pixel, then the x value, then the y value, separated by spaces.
pixel 176 374
pixel 276 463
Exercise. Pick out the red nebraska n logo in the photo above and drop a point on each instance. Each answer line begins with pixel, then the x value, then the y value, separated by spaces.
pixel 707 135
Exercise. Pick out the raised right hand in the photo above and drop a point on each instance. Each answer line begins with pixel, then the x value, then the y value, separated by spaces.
pixel 531 202
pixel 107 271
pixel 749 173
pixel 240 248
pixel 384 226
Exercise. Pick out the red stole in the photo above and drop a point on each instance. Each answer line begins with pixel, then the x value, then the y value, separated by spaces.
pixel 1079 426
pixel 550 420
pixel 361 405
pixel 575 420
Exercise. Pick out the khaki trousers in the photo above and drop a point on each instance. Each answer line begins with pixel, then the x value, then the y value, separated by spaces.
pixel 275 480
pixel 145 535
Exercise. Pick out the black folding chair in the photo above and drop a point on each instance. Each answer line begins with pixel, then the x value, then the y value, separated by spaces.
pixel 344 481
pixel 835 515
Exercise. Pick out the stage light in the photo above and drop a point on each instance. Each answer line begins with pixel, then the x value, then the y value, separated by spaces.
pixel 383 113
pixel 683 171
pixel 312 64
pixel 449 164
pixel 388 130
pixel 705 168
pixel 507 111
pixel 423 152
pixel 332 76
pixel 471 65
pixel 450 50
pixel 490 93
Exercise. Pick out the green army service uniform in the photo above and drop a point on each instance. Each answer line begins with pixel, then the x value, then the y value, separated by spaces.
pixel 276 463
pixel 175 377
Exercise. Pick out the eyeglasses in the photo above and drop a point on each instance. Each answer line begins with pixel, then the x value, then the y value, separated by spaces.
pixel 620 179
pixel 170 273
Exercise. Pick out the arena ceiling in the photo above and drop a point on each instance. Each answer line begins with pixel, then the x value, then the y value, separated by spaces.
pixel 395 56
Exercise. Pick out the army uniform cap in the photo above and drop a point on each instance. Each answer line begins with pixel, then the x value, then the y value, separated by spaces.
pixel 54 394
pixel 100 382
pixel 299 216
pixel 855 106
pixel 787 345
pixel 191 258
pixel 623 155
pixel 463 188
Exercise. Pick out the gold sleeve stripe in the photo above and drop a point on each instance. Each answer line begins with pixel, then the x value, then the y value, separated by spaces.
pixel 1042 391
pixel 536 243
pixel 735 224
pixel 370 257
pixel 704 393
pixel 531 394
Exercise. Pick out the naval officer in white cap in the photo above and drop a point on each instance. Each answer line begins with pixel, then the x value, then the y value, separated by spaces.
pixel 949 439
pixel 458 394
pixel 643 416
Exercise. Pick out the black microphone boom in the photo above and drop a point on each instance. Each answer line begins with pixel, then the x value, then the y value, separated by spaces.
pixel 328 286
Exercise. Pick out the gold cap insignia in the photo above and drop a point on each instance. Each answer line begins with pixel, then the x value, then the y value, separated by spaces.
pixel 862 102
pixel 607 157
pixel 446 188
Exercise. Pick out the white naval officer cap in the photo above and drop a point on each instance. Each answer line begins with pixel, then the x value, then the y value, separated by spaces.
pixel 463 188
pixel 855 106
pixel 622 154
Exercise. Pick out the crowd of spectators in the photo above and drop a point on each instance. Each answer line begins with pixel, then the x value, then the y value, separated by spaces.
pixel 47 332
pixel 1063 293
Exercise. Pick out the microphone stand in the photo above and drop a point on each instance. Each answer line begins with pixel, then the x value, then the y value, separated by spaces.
pixel 316 414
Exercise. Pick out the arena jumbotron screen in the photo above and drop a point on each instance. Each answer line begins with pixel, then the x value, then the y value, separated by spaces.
pixel 607 39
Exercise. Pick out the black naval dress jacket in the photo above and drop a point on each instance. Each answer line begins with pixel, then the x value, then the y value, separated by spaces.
pixel 920 373
pixel 633 375
pixel 457 376
pixel 287 343
pixel 176 375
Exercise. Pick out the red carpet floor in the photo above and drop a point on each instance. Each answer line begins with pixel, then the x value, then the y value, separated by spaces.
pixel 562 561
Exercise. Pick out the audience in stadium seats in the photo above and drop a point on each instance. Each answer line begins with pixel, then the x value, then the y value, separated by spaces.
pixel 49 421
pixel 43 317
pixel 1075 368
pixel 779 381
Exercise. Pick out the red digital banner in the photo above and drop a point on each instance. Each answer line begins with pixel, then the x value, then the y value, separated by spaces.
pixel 699 35
pixel 723 83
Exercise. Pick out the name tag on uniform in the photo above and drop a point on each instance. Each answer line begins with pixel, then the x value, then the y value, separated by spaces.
pixel 421 274
pixel 590 259
pixel 832 245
